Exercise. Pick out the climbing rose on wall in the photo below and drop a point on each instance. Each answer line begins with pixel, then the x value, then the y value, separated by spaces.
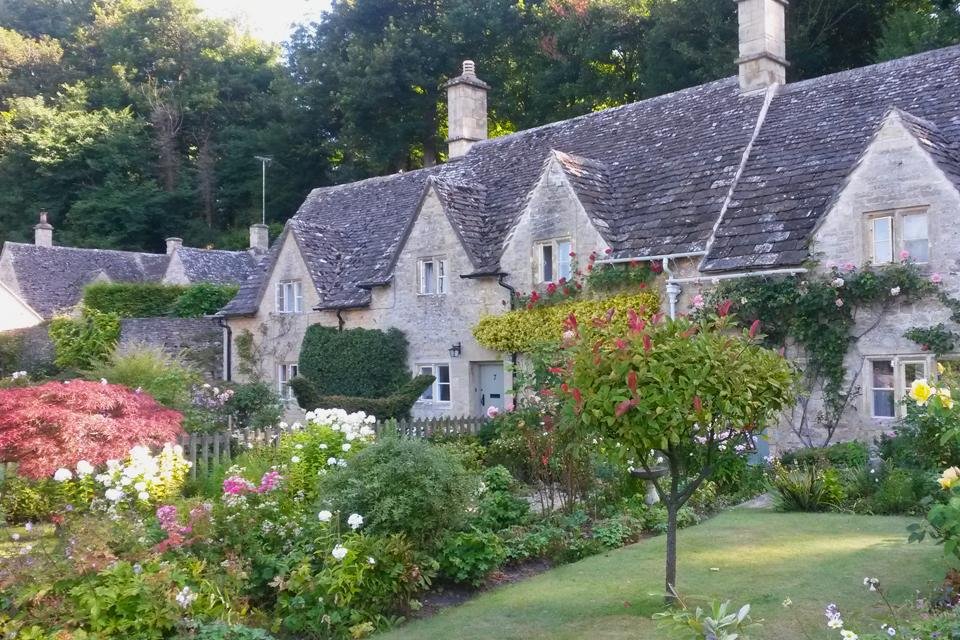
pixel 57 424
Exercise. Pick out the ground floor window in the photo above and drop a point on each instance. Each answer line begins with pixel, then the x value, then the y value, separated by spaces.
pixel 439 391
pixel 285 373
pixel 889 382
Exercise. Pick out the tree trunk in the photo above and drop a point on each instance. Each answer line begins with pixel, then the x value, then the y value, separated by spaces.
pixel 671 568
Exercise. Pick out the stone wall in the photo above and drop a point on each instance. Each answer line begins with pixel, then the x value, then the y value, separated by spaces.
pixel 34 348
pixel 199 341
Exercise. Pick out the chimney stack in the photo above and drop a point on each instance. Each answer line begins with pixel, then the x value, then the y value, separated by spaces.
pixel 466 110
pixel 259 238
pixel 173 244
pixel 43 232
pixel 763 43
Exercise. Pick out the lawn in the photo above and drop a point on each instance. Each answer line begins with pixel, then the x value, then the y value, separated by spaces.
pixel 745 555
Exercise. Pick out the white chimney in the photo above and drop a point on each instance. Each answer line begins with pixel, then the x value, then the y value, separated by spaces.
pixel 466 110
pixel 763 43
pixel 173 244
pixel 43 232
pixel 259 238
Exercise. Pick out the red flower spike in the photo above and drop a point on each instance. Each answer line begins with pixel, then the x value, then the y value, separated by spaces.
pixel 625 406
pixel 724 309
pixel 635 322
pixel 571 322
pixel 697 404
pixel 621 345
pixel 632 382
pixel 565 387
pixel 656 318
pixel 754 328
pixel 647 343
pixel 577 396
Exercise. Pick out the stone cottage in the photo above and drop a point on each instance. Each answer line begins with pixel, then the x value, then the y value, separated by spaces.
pixel 40 280
pixel 742 176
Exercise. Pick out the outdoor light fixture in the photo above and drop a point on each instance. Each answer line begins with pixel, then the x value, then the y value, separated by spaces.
pixel 455 350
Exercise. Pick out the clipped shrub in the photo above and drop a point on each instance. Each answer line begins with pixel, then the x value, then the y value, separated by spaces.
pixel 366 363
pixel 132 299
pixel 470 556
pixel 202 300
pixel 402 486
pixel 81 342
pixel 152 370
pixel 395 406
pixel 522 330
pixel 57 424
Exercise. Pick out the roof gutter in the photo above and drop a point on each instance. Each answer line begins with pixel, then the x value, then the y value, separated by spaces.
pixel 740 274
pixel 665 256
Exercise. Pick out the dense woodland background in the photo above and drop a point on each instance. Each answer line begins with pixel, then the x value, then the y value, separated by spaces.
pixel 132 120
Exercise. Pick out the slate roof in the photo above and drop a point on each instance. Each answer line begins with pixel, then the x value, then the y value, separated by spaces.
pixel 654 176
pixel 51 279
pixel 216 266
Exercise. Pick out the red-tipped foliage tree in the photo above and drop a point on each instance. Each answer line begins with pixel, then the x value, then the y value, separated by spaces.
pixel 57 424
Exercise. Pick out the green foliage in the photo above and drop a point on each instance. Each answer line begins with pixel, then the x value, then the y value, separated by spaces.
pixel 151 300
pixel 524 330
pixel 499 507
pixel 402 486
pixel 617 531
pixel 719 623
pixel 919 26
pixel 23 500
pixel 203 300
pixel 921 441
pixel 937 339
pixel 81 342
pixel 312 449
pixel 367 363
pixel 395 406
pixel 470 556
pixel 618 277
pixel 254 405
pixel 151 369
pixel 841 454
pixel 807 489
pixel 222 631
pixel 10 347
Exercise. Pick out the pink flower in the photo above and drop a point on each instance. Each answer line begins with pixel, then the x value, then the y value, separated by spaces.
pixel 838 302
pixel 235 485
pixel 269 481
pixel 698 301
pixel 904 255
pixel 492 412
pixel 936 278
pixel 849 266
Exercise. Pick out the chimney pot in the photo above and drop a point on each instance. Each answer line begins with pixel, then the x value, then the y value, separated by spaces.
pixel 43 232
pixel 259 238
pixel 173 244
pixel 466 110
pixel 763 43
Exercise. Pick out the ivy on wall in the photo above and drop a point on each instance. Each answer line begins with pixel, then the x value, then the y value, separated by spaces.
pixel 818 314
pixel 152 300
pixel 81 342
pixel 938 339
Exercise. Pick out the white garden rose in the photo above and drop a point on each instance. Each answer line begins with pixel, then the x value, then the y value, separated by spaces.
pixel 339 552
pixel 355 521
pixel 62 475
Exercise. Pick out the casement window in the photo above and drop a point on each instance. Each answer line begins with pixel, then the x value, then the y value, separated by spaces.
pixel 432 276
pixel 285 373
pixel 892 232
pixel 439 391
pixel 890 380
pixel 554 260
pixel 289 296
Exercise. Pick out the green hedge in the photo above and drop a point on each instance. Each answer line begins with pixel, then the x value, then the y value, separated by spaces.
pixel 151 300
pixel 80 343
pixel 366 363
pixel 396 405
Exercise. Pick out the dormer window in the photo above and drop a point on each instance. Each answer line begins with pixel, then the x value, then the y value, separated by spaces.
pixel 891 233
pixel 432 276
pixel 554 260
pixel 289 296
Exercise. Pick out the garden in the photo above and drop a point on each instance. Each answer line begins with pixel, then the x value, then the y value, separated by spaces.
pixel 622 496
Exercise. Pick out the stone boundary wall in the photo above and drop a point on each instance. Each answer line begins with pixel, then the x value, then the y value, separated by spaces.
pixel 197 340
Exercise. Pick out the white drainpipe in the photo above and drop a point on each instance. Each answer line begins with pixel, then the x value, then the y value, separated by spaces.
pixel 673 289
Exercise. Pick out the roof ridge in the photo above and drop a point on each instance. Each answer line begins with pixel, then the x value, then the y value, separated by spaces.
pixel 371 179
pixel 61 247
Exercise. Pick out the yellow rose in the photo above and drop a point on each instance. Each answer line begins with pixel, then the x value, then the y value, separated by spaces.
pixel 943 394
pixel 920 391
pixel 949 477
pixel 941 369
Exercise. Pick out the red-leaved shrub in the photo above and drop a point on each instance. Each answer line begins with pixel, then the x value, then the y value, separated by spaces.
pixel 57 424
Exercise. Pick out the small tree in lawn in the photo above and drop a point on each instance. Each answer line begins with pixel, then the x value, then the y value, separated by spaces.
pixel 672 393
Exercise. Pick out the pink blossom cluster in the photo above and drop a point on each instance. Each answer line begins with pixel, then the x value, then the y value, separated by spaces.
pixel 237 486
pixel 177 534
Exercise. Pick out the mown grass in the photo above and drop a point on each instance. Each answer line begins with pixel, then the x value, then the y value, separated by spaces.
pixel 744 555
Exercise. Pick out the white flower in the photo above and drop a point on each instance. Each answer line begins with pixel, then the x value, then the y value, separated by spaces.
pixel 84 468
pixel 339 552
pixel 838 302
pixel 835 623
pixel 346 447
pixel 28 526
pixel 846 634
pixel 895 292
pixel 113 495
pixel 14 536
pixel 837 282
pixel 355 521
pixel 186 597
pixel 871 583
pixel 787 602
pixel 143 495
pixel 371 561
pixel 298 447
pixel 331 461
pixel 322 446
pixel 324 516
pixel 140 486
pixel 62 475
pixel 341 462
pixel 103 381
pixel 295 459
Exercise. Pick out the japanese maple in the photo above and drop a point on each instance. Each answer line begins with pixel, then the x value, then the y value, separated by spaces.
pixel 57 424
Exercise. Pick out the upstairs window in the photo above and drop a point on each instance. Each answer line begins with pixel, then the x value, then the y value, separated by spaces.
pixel 554 260
pixel 893 232
pixel 440 389
pixel 289 296
pixel 432 276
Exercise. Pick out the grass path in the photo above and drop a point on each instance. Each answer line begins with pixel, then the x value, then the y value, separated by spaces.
pixel 743 555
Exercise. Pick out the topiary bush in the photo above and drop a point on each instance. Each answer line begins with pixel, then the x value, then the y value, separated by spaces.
pixel 366 363
pixel 57 424
pixel 402 486
pixel 395 406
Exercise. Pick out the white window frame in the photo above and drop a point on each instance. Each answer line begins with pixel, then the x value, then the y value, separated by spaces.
pixel 433 393
pixel 438 280
pixel 894 219
pixel 561 263
pixel 289 296
pixel 900 385
pixel 286 371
